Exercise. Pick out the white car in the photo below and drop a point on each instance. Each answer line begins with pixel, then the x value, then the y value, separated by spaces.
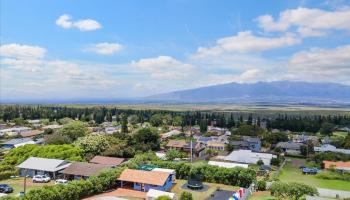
pixel 41 179
pixel 61 181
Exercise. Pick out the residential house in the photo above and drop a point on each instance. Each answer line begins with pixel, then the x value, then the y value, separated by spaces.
pixel 248 157
pixel 14 131
pixel 153 194
pixel 145 180
pixel 227 164
pixel 112 129
pixel 342 166
pixel 194 130
pixel 221 139
pixel 83 170
pixel 14 143
pixel 204 140
pixel 218 131
pixel 248 143
pixel 104 160
pixel 35 122
pixel 31 133
pixel 172 172
pixel 291 148
pixel 34 166
pixel 216 145
pixel 185 146
pixel 331 148
pixel 302 138
pixel 169 134
pixel 52 126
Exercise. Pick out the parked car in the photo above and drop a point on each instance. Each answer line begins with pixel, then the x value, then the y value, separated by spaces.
pixel 4 188
pixel 313 171
pixel 61 181
pixel 41 179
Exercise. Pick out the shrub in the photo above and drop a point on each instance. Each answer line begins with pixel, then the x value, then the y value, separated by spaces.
pixel 186 196
pixel 291 190
pixel 275 161
pixel 261 185
pixel 164 197
pixel 260 162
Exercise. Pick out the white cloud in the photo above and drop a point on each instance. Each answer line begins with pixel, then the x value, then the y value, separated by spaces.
pixel 314 20
pixel 105 48
pixel 321 65
pixel 245 42
pixel 65 21
pixel 21 51
pixel 164 67
pixel 87 25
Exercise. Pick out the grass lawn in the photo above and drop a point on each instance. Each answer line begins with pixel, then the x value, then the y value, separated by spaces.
pixel 203 194
pixel 17 185
pixel 340 133
pixel 293 174
pixel 261 195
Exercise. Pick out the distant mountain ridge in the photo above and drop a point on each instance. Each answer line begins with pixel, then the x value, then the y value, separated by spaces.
pixel 290 91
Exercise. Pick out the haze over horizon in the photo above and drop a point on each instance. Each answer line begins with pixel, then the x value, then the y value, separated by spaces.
pixel 127 49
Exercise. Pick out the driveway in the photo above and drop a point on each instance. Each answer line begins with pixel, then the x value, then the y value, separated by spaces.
pixel 333 193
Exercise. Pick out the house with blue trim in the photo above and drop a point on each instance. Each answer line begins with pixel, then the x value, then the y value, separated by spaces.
pixel 145 180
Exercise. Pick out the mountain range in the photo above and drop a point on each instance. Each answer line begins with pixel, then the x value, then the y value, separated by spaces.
pixel 261 92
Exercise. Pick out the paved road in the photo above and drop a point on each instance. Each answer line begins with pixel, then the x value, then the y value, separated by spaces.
pixel 333 193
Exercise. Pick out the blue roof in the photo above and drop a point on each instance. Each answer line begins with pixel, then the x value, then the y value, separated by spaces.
pixel 204 139
pixel 17 141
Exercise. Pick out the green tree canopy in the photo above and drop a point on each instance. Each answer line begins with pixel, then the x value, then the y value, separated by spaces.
pixel 92 144
pixel 147 139
pixel 74 130
pixel 250 130
pixel 327 128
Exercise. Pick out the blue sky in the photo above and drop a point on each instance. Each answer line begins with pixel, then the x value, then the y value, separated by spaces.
pixel 117 49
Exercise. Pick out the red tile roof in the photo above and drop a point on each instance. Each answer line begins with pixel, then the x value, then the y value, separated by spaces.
pixel 339 164
pixel 147 177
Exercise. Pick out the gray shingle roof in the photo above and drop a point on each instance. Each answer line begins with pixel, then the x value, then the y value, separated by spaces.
pixel 44 164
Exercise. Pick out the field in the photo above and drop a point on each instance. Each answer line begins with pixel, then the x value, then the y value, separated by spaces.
pixel 292 173
pixel 17 185
pixel 177 188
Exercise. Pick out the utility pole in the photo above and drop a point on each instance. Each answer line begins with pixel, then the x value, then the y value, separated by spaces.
pixel 25 181
pixel 191 139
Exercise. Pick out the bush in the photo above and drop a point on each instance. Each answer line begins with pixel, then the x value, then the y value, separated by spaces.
pixel 186 196
pixel 333 175
pixel 261 185
pixel 163 198
pixel 275 161
pixel 291 190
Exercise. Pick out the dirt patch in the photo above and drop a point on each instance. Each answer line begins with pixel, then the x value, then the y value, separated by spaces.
pixel 297 162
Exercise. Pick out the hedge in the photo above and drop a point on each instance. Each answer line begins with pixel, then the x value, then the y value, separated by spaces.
pixel 229 176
